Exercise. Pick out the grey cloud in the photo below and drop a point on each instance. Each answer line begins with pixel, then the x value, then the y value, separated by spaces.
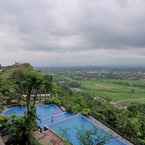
pixel 111 26
pixel 79 25
pixel 72 26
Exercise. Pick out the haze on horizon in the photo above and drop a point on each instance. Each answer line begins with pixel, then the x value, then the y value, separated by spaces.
pixel 68 33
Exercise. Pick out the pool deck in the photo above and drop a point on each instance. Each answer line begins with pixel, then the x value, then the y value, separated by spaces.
pixel 105 128
pixel 48 137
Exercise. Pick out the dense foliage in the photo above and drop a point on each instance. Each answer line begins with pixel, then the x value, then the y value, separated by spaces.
pixel 129 122
pixel 23 85
pixel 91 137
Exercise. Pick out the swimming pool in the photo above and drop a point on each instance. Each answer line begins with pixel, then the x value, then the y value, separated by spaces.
pixel 67 125
pixel 72 127
pixel 46 114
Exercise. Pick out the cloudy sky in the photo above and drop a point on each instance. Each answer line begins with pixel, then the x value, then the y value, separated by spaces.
pixel 72 32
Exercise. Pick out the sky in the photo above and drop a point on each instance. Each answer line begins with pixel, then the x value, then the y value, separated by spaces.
pixel 72 32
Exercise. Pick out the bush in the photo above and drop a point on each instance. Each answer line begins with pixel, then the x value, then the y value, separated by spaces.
pixel 86 111
pixel 34 141
pixel 55 100
pixel 3 119
pixel 1 108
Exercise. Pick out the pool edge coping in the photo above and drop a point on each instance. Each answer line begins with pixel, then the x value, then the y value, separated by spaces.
pixel 107 129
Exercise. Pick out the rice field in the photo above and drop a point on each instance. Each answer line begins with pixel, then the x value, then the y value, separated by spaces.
pixel 119 91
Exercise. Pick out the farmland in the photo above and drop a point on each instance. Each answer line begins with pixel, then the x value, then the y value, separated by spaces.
pixel 119 86
pixel 119 91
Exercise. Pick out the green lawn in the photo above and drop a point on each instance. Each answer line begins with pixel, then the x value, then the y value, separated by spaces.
pixel 116 90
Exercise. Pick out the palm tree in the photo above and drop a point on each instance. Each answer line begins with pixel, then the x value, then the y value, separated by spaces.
pixel 29 84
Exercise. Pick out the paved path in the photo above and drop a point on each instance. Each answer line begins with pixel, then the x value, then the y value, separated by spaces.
pixel 114 134
pixel 48 137
pixel 1 141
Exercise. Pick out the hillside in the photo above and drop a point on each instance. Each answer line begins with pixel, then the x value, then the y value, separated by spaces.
pixel 8 88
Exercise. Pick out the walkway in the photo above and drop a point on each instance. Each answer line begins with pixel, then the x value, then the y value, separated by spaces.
pixel 48 137
pixel 114 134
pixel 1 141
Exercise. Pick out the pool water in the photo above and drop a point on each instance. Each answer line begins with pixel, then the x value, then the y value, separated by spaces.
pixel 50 114
pixel 66 125
pixel 18 111
pixel 74 127
pixel 46 114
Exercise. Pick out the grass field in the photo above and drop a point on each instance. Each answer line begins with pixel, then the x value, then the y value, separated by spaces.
pixel 119 91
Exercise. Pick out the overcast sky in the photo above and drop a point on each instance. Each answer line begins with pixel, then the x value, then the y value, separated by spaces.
pixel 72 32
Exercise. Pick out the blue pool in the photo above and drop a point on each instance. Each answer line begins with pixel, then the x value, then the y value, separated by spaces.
pixel 65 124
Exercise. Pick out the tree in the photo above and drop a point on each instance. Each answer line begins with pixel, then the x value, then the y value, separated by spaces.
pixel 7 90
pixel 29 84
pixel 47 86
pixel 92 137
pixel 19 130
pixel 23 81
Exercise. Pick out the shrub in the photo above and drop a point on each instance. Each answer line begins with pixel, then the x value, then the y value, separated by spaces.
pixel 3 119
pixel 86 111
pixel 55 100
